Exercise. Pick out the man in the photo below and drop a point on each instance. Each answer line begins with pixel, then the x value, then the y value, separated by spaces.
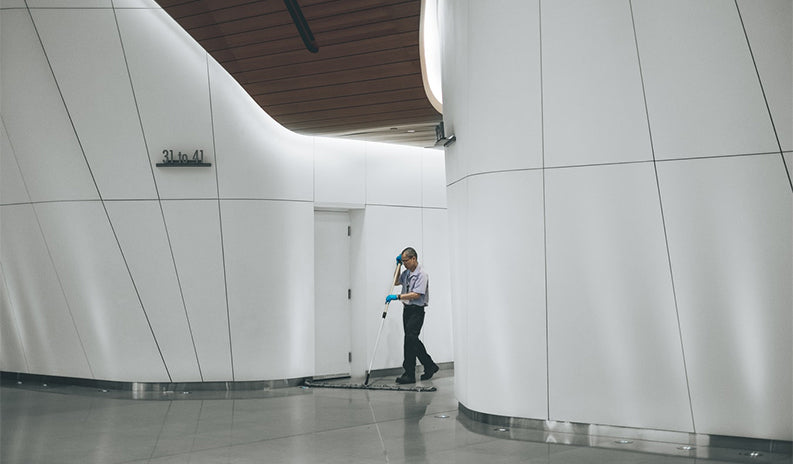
pixel 415 296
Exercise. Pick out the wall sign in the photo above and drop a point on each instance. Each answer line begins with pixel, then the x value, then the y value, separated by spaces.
pixel 180 159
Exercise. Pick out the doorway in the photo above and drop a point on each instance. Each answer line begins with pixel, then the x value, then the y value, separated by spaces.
pixel 332 308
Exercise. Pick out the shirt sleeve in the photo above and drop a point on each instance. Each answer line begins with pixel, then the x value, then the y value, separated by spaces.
pixel 420 284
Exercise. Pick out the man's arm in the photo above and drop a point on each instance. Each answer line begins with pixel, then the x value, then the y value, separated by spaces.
pixel 409 296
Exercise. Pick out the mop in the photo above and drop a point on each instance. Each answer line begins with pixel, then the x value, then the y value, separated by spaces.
pixel 365 385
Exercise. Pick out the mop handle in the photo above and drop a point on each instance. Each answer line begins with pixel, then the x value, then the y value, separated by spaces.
pixel 393 280
pixel 377 340
pixel 385 311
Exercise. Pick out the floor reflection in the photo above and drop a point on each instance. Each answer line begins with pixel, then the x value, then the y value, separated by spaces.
pixel 291 425
pixel 415 408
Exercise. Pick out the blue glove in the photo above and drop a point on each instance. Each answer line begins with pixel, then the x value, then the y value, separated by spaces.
pixel 399 259
pixel 391 298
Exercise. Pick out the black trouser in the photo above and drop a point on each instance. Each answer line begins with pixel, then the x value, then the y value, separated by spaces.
pixel 412 321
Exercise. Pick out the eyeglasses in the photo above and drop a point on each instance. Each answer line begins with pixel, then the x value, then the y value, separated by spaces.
pixel 407 259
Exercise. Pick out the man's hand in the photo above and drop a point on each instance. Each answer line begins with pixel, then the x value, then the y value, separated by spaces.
pixel 391 298
pixel 399 259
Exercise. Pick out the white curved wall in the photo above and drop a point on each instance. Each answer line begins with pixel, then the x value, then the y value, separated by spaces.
pixel 621 215
pixel 115 269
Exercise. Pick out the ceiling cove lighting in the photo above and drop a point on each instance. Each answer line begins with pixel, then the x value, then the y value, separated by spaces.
pixel 430 52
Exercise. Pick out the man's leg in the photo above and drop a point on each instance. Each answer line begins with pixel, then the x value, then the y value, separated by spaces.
pixel 412 320
pixel 430 368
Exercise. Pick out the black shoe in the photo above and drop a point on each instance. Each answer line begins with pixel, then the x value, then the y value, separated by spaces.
pixel 405 379
pixel 429 372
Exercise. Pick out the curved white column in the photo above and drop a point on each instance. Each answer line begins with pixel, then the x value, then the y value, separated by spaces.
pixel 599 274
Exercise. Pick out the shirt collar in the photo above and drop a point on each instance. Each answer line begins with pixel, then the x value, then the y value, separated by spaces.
pixel 415 271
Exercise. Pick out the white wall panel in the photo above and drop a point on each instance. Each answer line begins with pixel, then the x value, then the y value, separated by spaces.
pixel 12 187
pixel 386 232
pixel 269 249
pixel 12 354
pixel 143 238
pixel 135 4
pixel 339 172
pixel 100 102
pixel 614 345
pixel 593 105
pixel 46 329
pixel 703 95
pixel 97 285
pixel 393 174
pixel 69 3
pixel 504 94
pixel 169 77
pixel 459 270
pixel 437 331
pixel 729 223
pixel 506 299
pixel 257 158
pixel 194 229
pixel 37 123
pixel 769 27
pixel 789 163
pixel 454 60
pixel 12 3
pixel 433 179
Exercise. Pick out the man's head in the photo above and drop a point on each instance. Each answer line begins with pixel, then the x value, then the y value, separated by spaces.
pixel 410 259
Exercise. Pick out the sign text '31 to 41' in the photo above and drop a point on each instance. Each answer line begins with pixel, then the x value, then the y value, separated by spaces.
pixel 182 159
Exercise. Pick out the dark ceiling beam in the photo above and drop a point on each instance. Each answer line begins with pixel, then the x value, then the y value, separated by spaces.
pixel 302 25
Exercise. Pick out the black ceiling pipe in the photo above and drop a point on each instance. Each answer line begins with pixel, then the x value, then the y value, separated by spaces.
pixel 302 25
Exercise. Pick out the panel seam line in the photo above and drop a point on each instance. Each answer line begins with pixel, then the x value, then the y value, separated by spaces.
pixel 544 225
pixel 765 97
pixel 663 219
pixel 220 217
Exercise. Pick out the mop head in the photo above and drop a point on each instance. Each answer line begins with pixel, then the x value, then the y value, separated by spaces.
pixel 362 386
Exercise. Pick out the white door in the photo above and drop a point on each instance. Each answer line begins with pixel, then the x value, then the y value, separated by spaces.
pixel 331 301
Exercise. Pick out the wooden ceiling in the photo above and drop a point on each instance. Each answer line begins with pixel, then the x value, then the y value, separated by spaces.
pixel 364 82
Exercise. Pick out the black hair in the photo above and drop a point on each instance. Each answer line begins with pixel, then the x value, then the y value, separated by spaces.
pixel 409 252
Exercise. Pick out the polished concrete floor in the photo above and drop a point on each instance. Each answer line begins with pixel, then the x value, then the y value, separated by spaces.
pixel 67 424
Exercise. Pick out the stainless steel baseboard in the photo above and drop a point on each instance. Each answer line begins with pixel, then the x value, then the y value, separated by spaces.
pixel 143 389
pixel 151 387
pixel 694 445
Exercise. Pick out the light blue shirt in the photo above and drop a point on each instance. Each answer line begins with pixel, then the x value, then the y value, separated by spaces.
pixel 417 281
